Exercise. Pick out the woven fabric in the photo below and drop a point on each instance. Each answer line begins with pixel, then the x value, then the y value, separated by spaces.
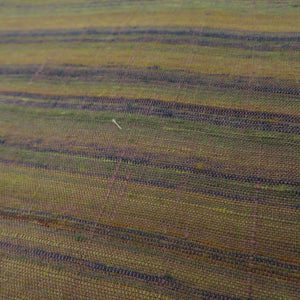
pixel 149 149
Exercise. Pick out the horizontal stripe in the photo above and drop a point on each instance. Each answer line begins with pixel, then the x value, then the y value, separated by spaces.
pixel 114 156
pixel 195 32
pixel 209 190
pixel 281 65
pixel 155 74
pixel 147 109
pixel 194 36
pixel 166 282
pixel 158 240
pixel 286 21
pixel 190 108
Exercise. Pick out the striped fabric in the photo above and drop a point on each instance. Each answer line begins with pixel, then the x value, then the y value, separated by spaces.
pixel 149 149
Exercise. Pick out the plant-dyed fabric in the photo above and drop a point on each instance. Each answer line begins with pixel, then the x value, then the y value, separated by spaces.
pixel 149 149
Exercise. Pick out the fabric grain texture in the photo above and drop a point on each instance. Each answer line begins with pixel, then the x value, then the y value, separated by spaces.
pixel 149 149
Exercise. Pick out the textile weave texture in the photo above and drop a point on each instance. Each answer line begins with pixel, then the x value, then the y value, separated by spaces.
pixel 149 149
